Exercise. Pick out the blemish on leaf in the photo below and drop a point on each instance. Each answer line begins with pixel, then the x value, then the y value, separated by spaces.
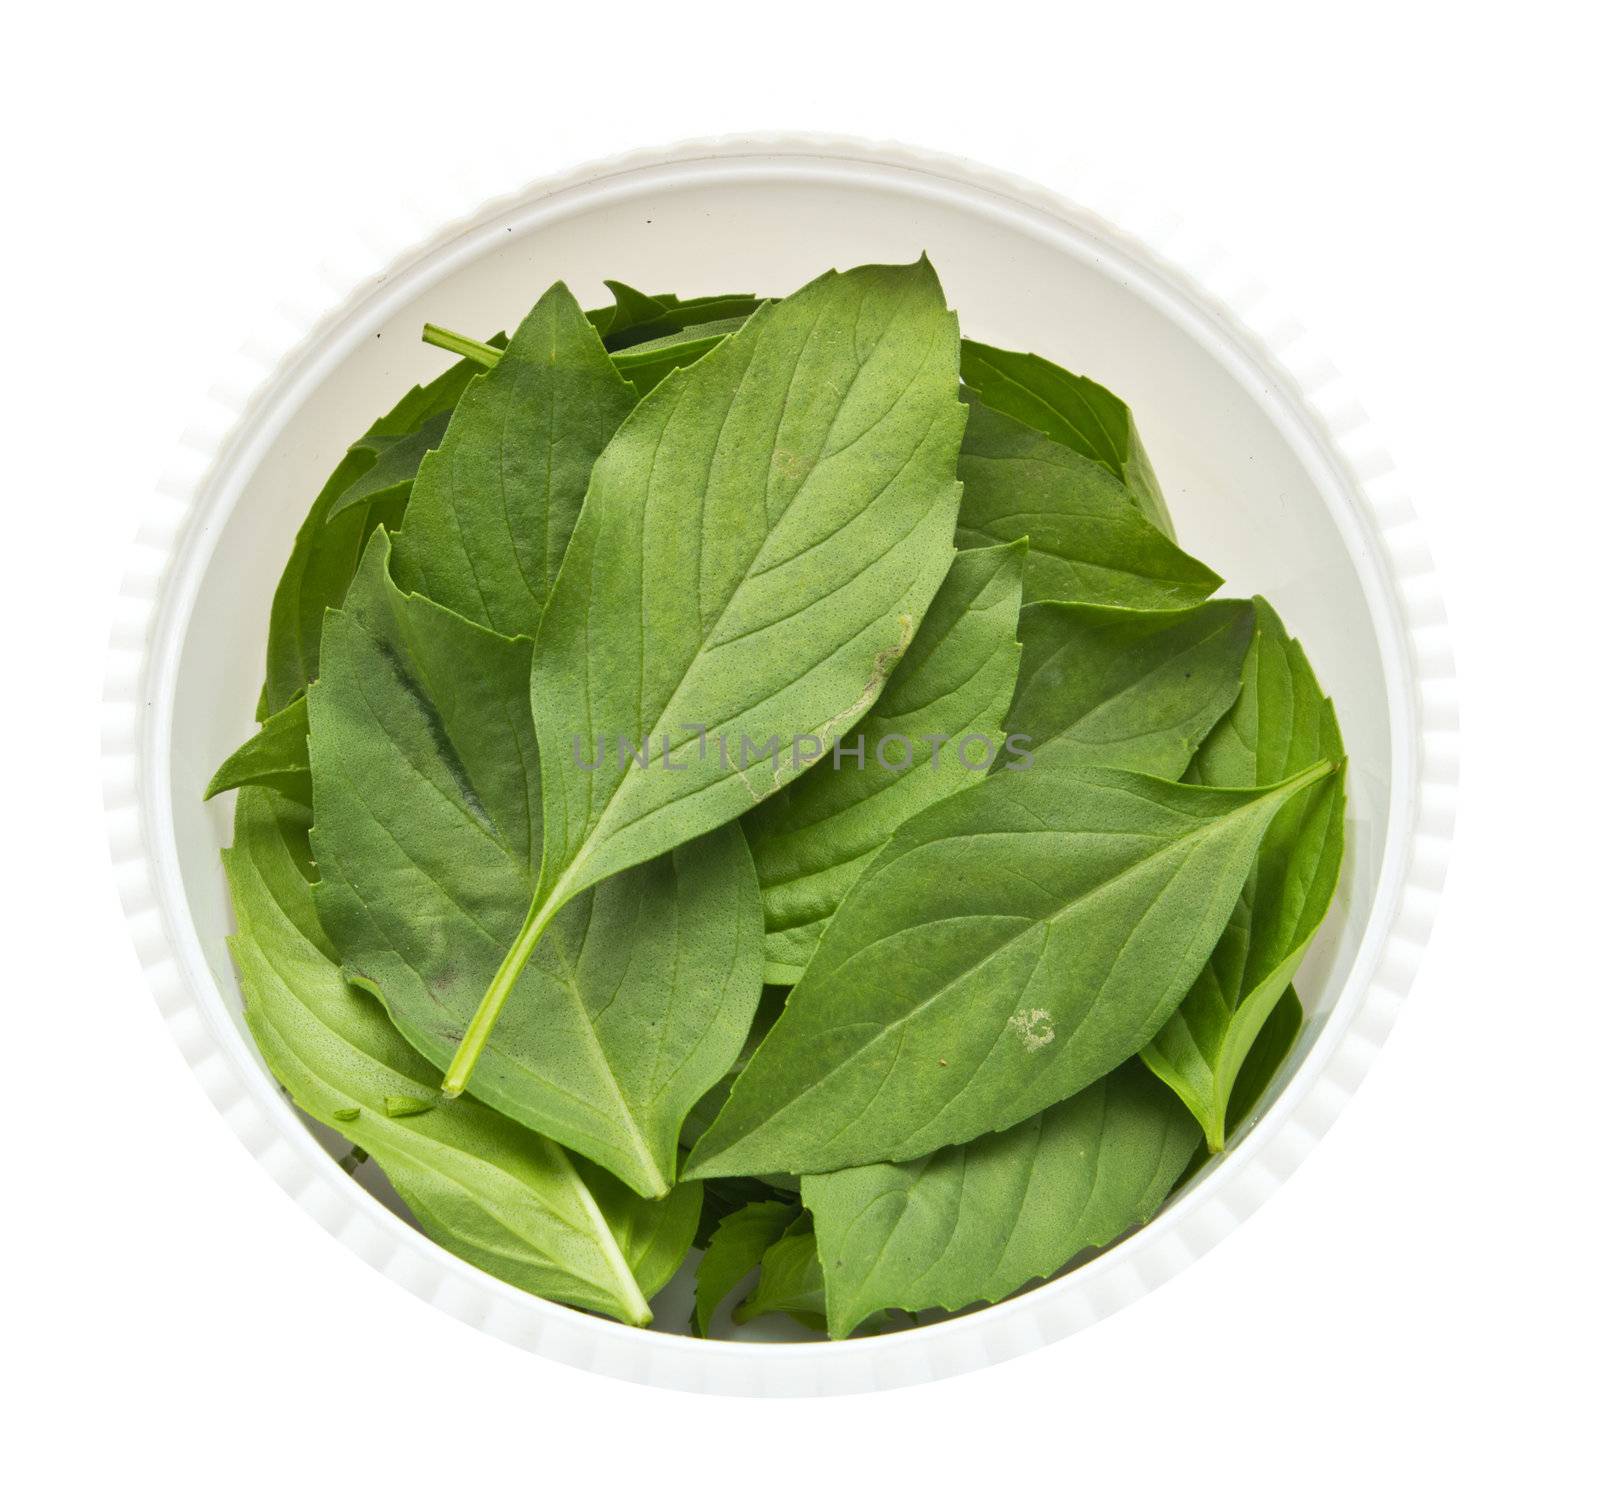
pixel 1035 1027
pixel 793 465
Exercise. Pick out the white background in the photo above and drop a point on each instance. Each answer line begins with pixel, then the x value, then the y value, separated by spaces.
pixel 1417 1306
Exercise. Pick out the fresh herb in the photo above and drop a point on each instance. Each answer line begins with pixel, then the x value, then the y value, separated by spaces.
pixel 1072 410
pixel 426 780
pixel 790 1281
pixel 275 757
pixel 497 1195
pixel 396 461
pixel 636 318
pixel 1124 688
pixel 493 507
pixel 329 546
pixel 734 1251
pixel 780 745
pixel 702 590
pixel 1087 540
pixel 974 1223
pixel 1006 948
pixel 1280 723
pixel 937 721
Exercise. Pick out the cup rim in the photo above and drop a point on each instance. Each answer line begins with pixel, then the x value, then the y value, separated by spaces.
pixel 240 420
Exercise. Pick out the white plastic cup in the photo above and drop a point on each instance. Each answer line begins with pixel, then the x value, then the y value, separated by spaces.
pixel 1273 477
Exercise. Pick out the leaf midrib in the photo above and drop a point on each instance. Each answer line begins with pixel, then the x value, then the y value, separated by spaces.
pixel 568 981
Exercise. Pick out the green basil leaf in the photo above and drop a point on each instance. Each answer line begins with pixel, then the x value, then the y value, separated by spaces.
pixel 790 1280
pixel 499 1196
pixel 705 1109
pixel 701 311
pixel 1272 1045
pixel 812 839
pixel 1123 688
pixel 276 757
pixel 637 318
pixel 492 509
pixel 1071 409
pixel 735 1250
pixel 1010 945
pixel 758 544
pixel 631 311
pixel 394 467
pixel 974 1223
pixel 327 549
pixel 1280 723
pixel 426 781
pixel 1086 541
pixel 646 364
pixel 724 1196
pixel 684 607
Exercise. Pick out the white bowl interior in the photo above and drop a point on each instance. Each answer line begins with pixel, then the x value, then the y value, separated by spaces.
pixel 1250 492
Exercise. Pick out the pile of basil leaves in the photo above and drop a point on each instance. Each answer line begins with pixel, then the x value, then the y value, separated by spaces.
pixel 895 1033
